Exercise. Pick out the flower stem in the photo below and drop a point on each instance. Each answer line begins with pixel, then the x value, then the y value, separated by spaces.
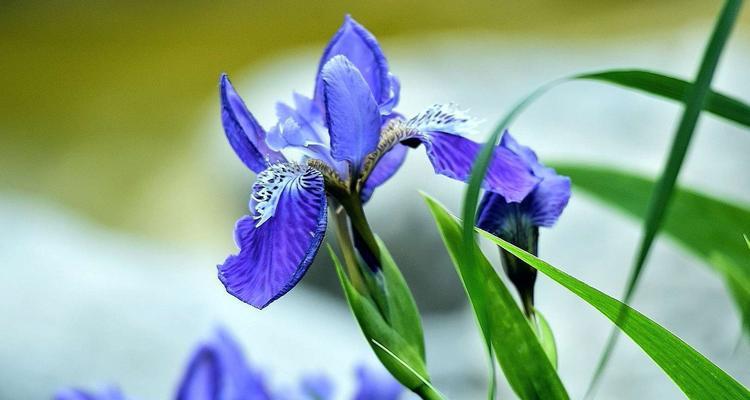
pixel 362 232
pixel 347 248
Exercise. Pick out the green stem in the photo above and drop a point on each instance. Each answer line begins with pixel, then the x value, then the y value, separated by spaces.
pixel 353 207
pixel 347 248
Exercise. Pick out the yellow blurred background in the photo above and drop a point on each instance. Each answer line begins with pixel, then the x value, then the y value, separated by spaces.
pixel 99 98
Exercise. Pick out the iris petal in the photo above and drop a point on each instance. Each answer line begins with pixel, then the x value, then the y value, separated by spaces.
pixel 218 370
pixel 245 135
pixel 376 385
pixel 358 45
pixel 277 244
pixel 317 387
pixel 453 156
pixel 542 206
pixel 202 379
pixel 545 204
pixel 353 116
pixel 108 393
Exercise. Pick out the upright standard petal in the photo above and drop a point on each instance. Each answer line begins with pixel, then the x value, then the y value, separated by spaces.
pixel 353 117
pixel 358 45
pixel 377 384
pixel 218 371
pixel 245 135
pixel 278 243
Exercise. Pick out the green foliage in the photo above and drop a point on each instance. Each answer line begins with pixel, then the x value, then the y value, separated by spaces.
pixel 405 362
pixel 546 337
pixel 696 376
pixel 695 99
pixel 403 315
pixel 513 340
pixel 709 228
pixel 673 88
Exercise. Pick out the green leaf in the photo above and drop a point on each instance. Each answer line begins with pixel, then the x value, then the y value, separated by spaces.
pixel 695 99
pixel 720 223
pixel 737 282
pixel 429 392
pixel 522 358
pixel 403 313
pixel 546 337
pixel 375 328
pixel 673 88
pixel 695 375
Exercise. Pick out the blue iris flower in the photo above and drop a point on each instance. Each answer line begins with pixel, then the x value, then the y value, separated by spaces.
pixel 519 222
pixel 336 148
pixel 218 370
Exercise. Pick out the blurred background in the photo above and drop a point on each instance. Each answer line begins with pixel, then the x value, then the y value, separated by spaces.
pixel 118 193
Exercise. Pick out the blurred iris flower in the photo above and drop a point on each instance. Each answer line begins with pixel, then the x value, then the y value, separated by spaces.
pixel 333 150
pixel 519 222
pixel 218 370
pixel 108 393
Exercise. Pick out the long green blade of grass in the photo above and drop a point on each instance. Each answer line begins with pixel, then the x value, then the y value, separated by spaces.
pixel 709 228
pixel 695 375
pixel 695 100
pixel 673 88
pixel 529 369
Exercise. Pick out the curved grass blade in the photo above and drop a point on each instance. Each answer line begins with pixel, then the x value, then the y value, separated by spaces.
pixel 516 346
pixel 673 88
pixel 720 223
pixel 695 100
pixel 693 373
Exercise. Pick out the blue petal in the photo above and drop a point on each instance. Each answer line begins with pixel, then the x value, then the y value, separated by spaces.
pixel 358 45
pixel 545 204
pixel 387 106
pixel 108 393
pixel 386 167
pixel 317 387
pixel 218 371
pixel 353 117
pixel 542 206
pixel 203 377
pixel 245 135
pixel 453 156
pixel 278 243
pixel 376 385
pixel 311 123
